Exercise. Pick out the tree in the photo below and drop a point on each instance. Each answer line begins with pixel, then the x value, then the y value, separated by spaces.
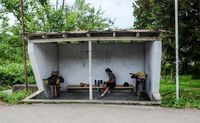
pixel 159 14
pixel 40 16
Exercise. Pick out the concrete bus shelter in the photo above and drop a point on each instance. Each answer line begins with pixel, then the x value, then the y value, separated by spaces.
pixel 83 57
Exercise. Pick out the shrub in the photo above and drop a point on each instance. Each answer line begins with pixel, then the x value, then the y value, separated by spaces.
pixel 189 92
pixel 14 98
pixel 196 71
pixel 13 73
pixel 4 88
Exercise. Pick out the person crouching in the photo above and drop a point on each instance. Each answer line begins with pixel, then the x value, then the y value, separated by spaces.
pixel 54 83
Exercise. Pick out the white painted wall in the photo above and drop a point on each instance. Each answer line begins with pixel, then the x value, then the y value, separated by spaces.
pixel 122 58
pixel 148 70
pixel 73 63
pixel 153 52
pixel 43 60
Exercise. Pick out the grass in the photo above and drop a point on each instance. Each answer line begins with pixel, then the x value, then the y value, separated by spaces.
pixel 189 92
pixel 14 98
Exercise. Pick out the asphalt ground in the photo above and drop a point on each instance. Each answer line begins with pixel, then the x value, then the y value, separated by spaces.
pixel 95 113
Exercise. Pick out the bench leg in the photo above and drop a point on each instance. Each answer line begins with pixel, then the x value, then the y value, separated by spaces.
pixel 99 91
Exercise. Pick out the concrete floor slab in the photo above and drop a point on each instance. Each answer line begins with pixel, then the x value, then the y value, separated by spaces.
pixel 127 98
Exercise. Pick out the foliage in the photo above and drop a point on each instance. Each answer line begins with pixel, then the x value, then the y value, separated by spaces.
pixel 14 98
pixel 10 46
pixel 42 16
pixel 12 74
pixel 189 92
pixel 159 14
pixel 39 16
pixel 188 99
pixel 2 88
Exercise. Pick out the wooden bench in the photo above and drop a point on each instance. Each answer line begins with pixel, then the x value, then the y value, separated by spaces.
pixel 99 88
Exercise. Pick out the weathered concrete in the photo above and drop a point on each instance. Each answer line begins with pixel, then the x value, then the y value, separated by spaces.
pixel 84 113
pixel 73 63
pixel 123 58
pixel 118 97
pixel 43 59
pixel 153 52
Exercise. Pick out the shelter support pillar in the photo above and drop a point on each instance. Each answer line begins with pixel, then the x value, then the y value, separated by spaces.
pixel 90 69
pixel 156 70
pixel 153 52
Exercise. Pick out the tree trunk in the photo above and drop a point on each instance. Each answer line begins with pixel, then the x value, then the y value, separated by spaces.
pixel 172 76
pixel 63 4
pixel 56 4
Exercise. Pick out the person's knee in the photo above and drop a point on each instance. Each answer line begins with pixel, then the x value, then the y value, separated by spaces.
pixel 104 86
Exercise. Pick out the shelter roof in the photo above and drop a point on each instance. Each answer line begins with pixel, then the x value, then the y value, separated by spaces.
pixel 106 35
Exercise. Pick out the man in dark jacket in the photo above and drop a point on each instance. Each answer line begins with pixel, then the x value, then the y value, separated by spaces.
pixel 54 82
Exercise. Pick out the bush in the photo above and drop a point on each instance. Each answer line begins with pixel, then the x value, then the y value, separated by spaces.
pixel 2 88
pixel 196 71
pixel 189 92
pixel 13 73
pixel 14 98
pixel 184 101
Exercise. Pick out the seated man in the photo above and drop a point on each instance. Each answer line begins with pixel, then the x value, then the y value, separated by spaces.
pixel 110 84
pixel 54 82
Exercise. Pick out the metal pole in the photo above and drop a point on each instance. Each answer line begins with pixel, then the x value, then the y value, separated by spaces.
pixel 24 44
pixel 90 69
pixel 177 47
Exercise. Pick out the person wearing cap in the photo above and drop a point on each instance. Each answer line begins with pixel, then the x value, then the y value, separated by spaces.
pixel 110 84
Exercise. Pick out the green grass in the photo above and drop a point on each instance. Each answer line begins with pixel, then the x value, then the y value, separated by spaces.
pixel 189 92
pixel 14 98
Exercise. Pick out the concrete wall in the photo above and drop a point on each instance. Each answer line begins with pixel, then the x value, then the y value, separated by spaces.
pixel 153 52
pixel 148 70
pixel 122 58
pixel 73 63
pixel 43 60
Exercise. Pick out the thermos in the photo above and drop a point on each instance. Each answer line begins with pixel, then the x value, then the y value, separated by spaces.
pixel 95 82
pixel 101 82
pixel 98 82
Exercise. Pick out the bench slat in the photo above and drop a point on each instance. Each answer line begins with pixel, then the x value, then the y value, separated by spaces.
pixel 98 87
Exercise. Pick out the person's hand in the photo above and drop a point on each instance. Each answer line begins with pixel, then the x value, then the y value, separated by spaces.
pixel 57 81
pixel 46 81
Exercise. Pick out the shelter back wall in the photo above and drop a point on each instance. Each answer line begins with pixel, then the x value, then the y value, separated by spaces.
pixel 122 58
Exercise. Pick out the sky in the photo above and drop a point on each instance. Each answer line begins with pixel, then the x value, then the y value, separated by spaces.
pixel 118 10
